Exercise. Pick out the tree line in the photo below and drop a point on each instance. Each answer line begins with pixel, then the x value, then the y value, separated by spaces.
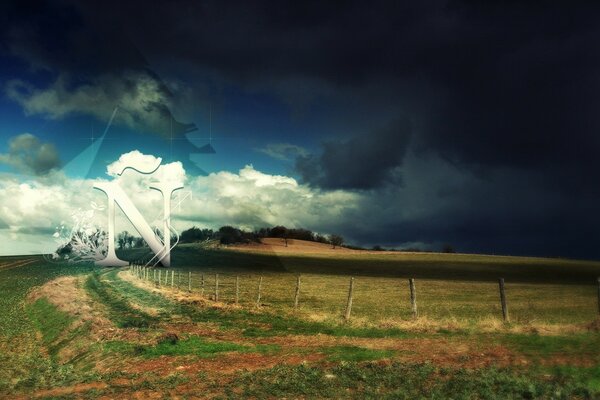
pixel 231 235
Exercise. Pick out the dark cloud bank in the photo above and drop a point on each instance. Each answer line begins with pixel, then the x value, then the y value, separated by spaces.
pixel 472 123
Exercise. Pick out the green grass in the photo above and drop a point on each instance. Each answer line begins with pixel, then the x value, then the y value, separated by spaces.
pixel 411 381
pixel 548 346
pixel 134 294
pixel 16 283
pixel 192 345
pixel 24 363
pixel 251 322
pixel 47 319
pixel 355 353
pixel 120 310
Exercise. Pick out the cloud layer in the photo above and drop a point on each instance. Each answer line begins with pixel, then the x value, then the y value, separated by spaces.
pixel 428 209
pixel 28 155
pixel 249 199
pixel 501 153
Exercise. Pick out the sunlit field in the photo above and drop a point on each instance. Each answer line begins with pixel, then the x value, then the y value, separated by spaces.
pixel 380 300
pixel 450 287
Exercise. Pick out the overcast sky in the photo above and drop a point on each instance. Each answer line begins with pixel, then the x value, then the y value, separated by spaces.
pixel 468 123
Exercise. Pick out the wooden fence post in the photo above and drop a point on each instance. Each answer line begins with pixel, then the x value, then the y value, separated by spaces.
pixel 259 289
pixel 503 299
pixel 153 276
pixel 172 278
pixel 216 287
pixel 237 289
pixel 413 298
pixel 349 301
pixel 159 274
pixel 190 281
pixel 297 293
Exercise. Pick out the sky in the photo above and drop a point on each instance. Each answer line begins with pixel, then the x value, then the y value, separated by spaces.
pixel 400 124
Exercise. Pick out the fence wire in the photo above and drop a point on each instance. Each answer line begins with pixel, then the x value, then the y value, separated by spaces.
pixel 378 299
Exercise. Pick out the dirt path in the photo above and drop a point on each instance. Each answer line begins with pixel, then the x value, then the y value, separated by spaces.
pixel 16 264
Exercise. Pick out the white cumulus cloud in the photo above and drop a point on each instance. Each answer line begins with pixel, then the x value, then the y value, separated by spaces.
pixel 249 199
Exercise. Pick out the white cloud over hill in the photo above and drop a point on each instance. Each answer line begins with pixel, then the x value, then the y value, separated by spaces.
pixel 32 210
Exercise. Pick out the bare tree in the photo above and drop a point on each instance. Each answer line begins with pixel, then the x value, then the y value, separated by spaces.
pixel 336 240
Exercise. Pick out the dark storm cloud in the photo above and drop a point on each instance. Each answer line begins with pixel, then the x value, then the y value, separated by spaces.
pixel 505 84
pixel 362 162
pixel 488 87
pixel 27 154
pixel 93 67
pixel 490 84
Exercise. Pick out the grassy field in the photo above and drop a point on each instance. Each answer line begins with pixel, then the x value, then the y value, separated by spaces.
pixel 451 288
pixel 83 332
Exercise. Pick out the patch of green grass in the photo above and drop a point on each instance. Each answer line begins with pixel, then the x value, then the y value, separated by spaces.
pixel 137 295
pixel 406 381
pixel 266 324
pixel 48 319
pixel 355 353
pixel 587 377
pixel 546 346
pixel 120 311
pixel 193 345
pixel 16 283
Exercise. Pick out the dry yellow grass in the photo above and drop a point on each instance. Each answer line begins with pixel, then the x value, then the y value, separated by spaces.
pixel 384 302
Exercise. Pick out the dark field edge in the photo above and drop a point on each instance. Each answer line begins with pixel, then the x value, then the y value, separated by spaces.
pixel 553 271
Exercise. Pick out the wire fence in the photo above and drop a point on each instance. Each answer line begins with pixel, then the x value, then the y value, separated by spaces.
pixel 379 299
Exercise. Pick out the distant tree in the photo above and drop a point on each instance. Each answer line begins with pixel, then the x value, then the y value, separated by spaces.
pixel 301 234
pixel 377 248
pixel 448 249
pixel 320 238
pixel 124 240
pixel 231 235
pixel 278 231
pixel 138 242
pixel 336 240
pixel 196 235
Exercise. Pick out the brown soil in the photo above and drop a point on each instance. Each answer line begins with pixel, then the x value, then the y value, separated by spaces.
pixel 67 390
pixel 225 363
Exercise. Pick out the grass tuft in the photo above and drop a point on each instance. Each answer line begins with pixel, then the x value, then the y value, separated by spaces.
pixel 193 345
pixel 120 311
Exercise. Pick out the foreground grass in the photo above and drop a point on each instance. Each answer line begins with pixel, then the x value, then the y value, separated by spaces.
pixel 193 345
pixel 48 320
pixel 414 381
pixel 581 344
pixel 119 308
pixel 23 360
